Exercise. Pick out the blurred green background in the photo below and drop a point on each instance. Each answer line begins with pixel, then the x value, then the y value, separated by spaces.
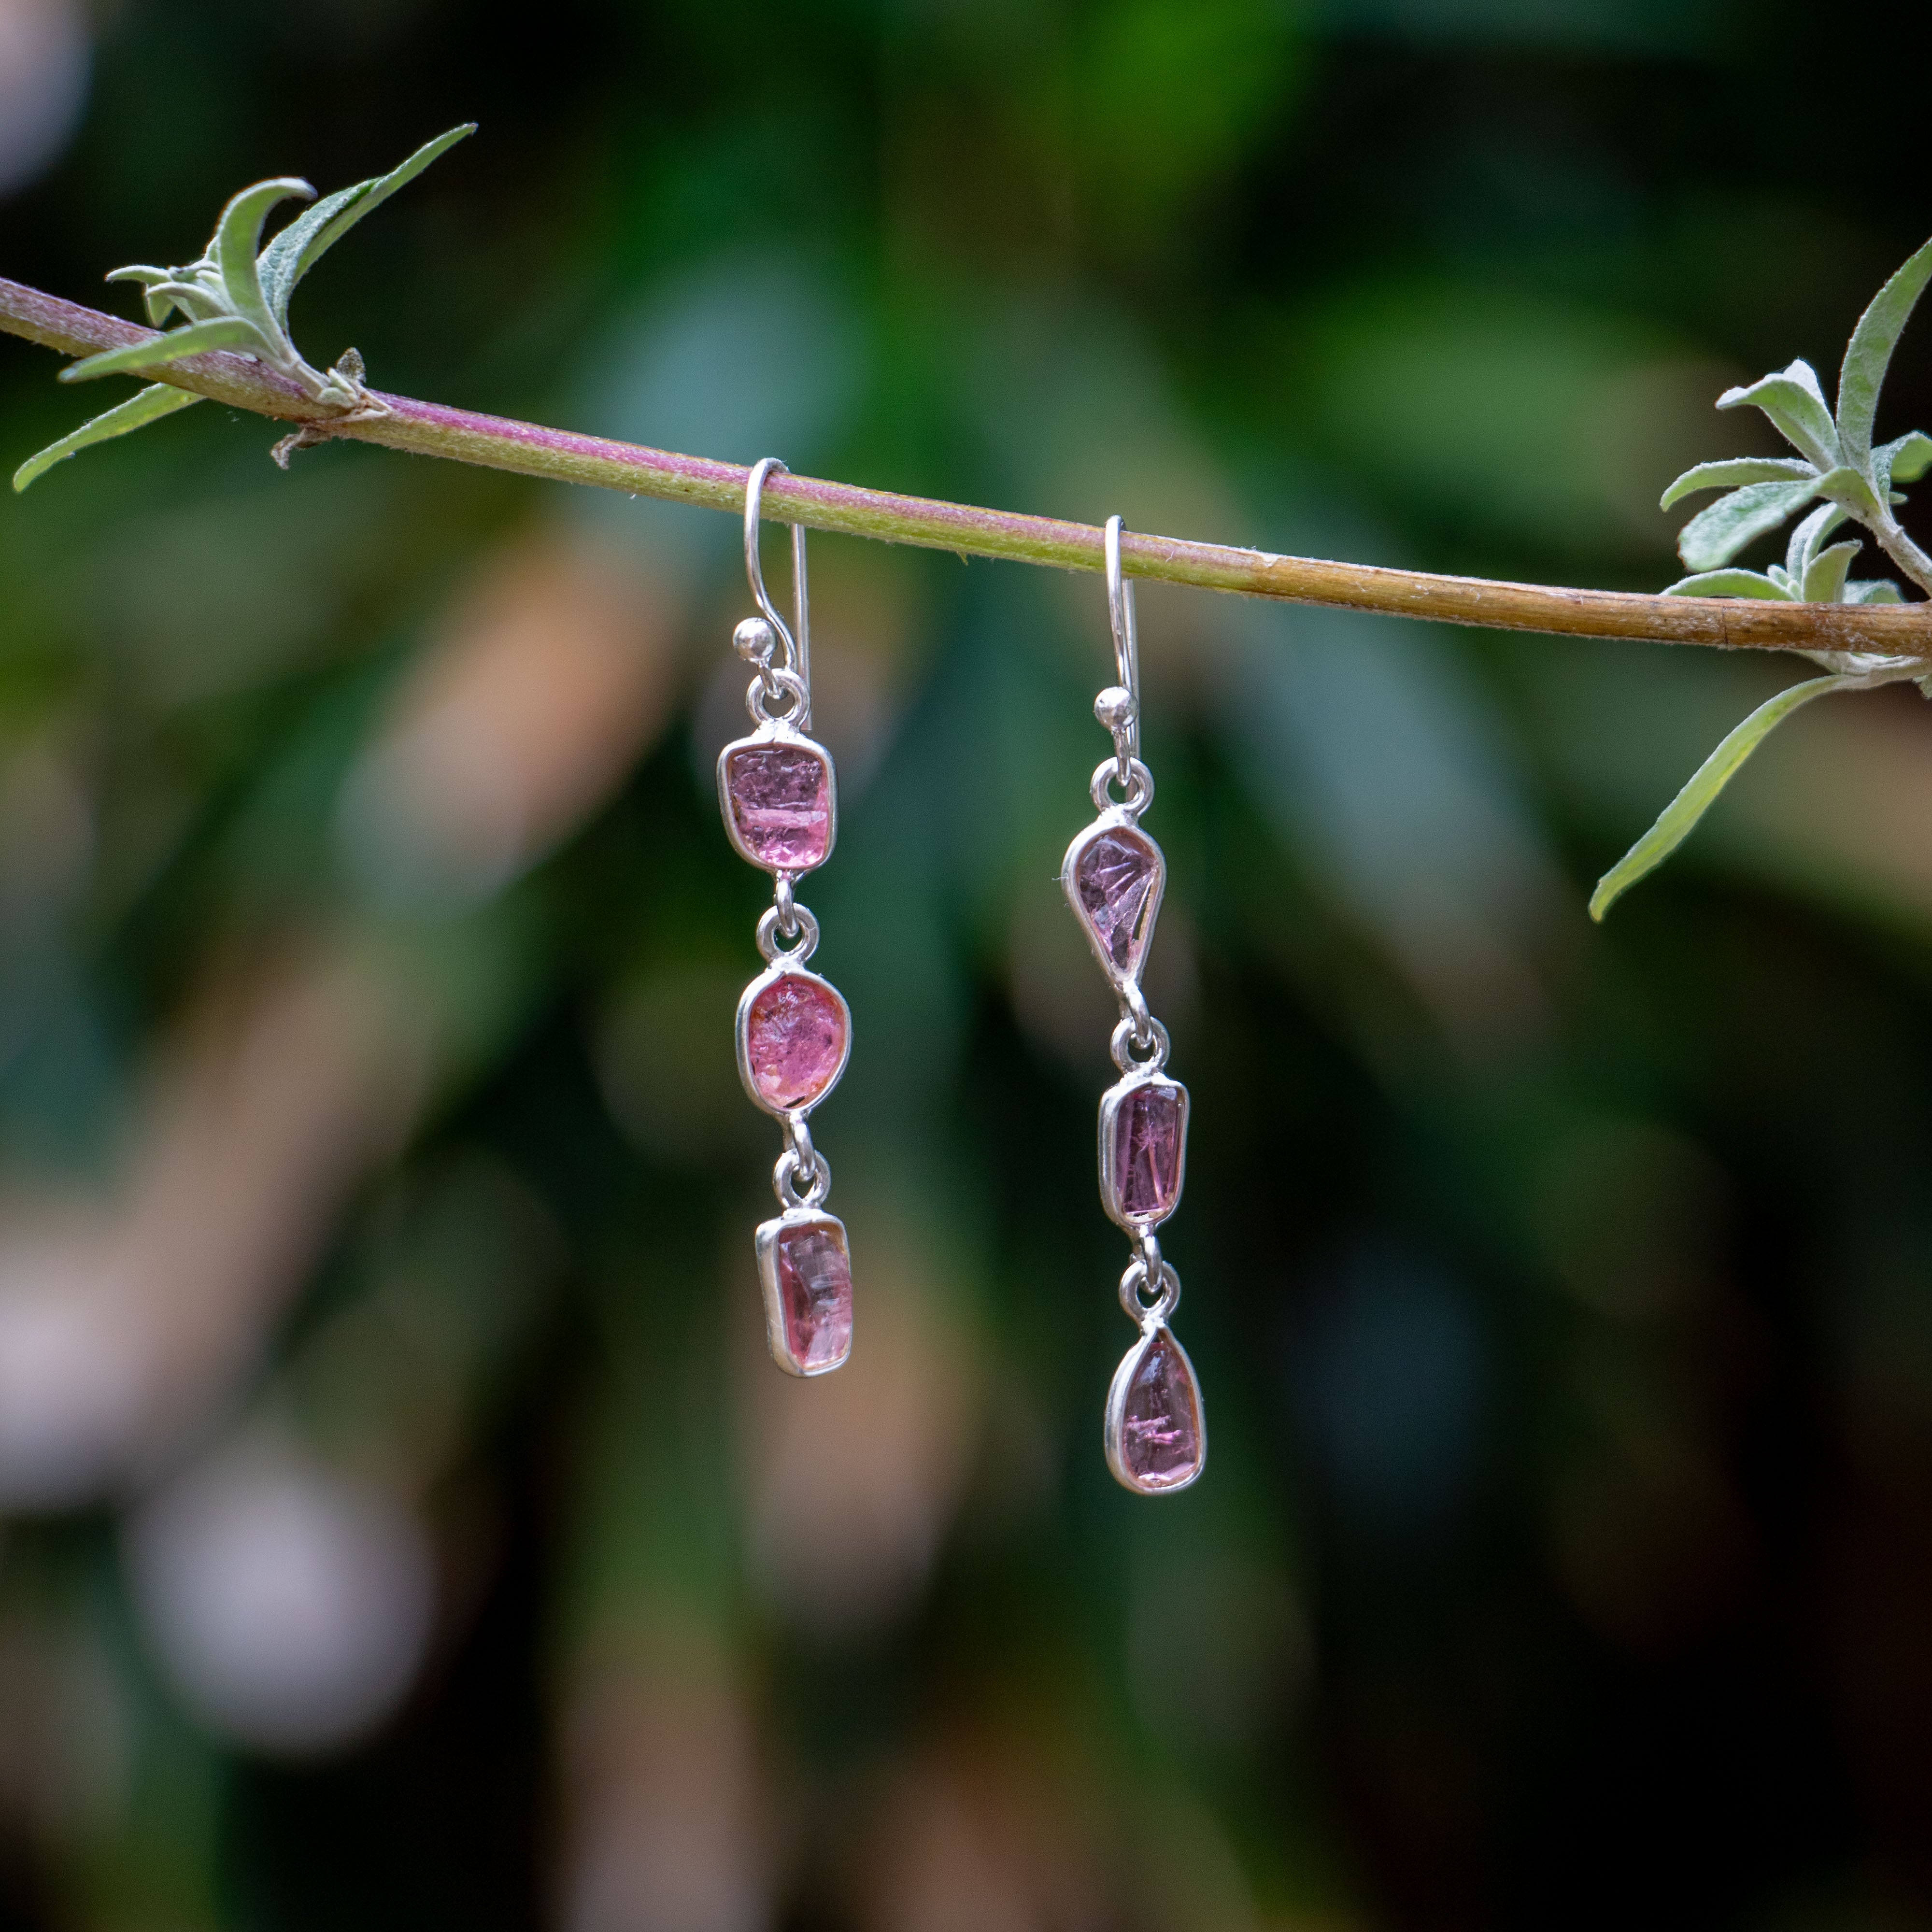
pixel 402 1525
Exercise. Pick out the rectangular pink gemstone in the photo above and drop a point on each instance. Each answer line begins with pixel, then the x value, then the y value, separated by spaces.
pixel 1150 1134
pixel 780 797
pixel 814 1288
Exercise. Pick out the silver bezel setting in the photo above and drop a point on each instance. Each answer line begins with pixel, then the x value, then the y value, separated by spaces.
pixel 777 732
pixel 770 977
pixel 767 1245
pixel 1116 1414
pixel 1112 1101
pixel 1117 818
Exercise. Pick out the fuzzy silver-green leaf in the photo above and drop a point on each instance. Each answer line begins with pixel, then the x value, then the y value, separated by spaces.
pixel 1903 461
pixel 237 240
pixel 1733 474
pixel 1807 538
pixel 1882 591
pixel 1869 356
pixel 1680 817
pixel 297 249
pixel 1729 583
pixel 148 405
pixel 1853 488
pixel 1794 402
pixel 225 331
pixel 1825 577
pixel 1715 535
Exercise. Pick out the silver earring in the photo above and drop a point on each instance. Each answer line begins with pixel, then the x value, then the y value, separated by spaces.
pixel 1114 875
pixel 777 791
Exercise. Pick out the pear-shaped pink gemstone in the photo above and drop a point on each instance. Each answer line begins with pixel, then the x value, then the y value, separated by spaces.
pixel 795 1039
pixel 1150 1134
pixel 1116 882
pixel 1161 1444
pixel 814 1279
pixel 781 799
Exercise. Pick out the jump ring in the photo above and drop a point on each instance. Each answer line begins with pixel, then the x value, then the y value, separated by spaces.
pixel 785 905
pixel 1137 783
pixel 785 1176
pixel 807 926
pixel 1159 1312
pixel 1126 1037
pixel 771 685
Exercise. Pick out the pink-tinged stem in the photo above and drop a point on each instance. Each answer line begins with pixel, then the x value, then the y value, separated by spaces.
pixel 528 449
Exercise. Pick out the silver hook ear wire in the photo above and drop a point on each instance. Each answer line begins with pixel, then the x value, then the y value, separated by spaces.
pixel 1118 707
pixel 796 636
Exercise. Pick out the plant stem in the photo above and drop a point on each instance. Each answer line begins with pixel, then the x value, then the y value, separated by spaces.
pixel 1904 552
pixel 495 442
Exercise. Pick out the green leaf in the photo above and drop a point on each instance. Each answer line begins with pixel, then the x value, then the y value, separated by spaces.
pixel 1883 591
pixel 1809 535
pixel 1795 402
pixel 148 405
pixel 1869 356
pixel 1715 535
pixel 1729 583
pixel 159 306
pixel 1825 580
pixel 1853 488
pixel 1680 815
pixel 225 331
pixel 237 240
pixel 1904 461
pixel 1741 469
pixel 299 247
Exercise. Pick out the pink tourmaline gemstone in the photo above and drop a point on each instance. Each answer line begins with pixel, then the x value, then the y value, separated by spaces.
pixel 795 1036
pixel 1161 1444
pixel 1115 877
pixel 781 797
pixel 1149 1132
pixel 815 1275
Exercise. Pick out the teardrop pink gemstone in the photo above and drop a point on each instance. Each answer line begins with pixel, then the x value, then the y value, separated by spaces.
pixel 781 799
pixel 1150 1133
pixel 1162 1444
pixel 795 1039
pixel 815 1276
pixel 1115 879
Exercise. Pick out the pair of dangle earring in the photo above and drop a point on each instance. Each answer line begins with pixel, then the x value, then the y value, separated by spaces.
pixel 777 792
pixel 1114 875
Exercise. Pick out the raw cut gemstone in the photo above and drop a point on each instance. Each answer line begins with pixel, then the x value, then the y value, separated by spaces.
pixel 814 1281
pixel 795 1037
pixel 1150 1132
pixel 1116 879
pixel 1162 1443
pixel 781 799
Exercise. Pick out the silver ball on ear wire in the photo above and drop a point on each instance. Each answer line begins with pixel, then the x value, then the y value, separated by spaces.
pixel 1115 708
pixel 754 640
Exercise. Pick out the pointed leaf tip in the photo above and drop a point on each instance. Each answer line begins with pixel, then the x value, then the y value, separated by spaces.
pixel 1733 474
pixel 149 405
pixel 1868 356
pixel 1796 404
pixel 297 249
pixel 1680 817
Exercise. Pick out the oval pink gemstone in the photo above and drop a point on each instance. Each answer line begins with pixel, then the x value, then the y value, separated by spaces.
pixel 1162 1444
pixel 814 1277
pixel 1114 879
pixel 781 800
pixel 795 1039
pixel 1150 1134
